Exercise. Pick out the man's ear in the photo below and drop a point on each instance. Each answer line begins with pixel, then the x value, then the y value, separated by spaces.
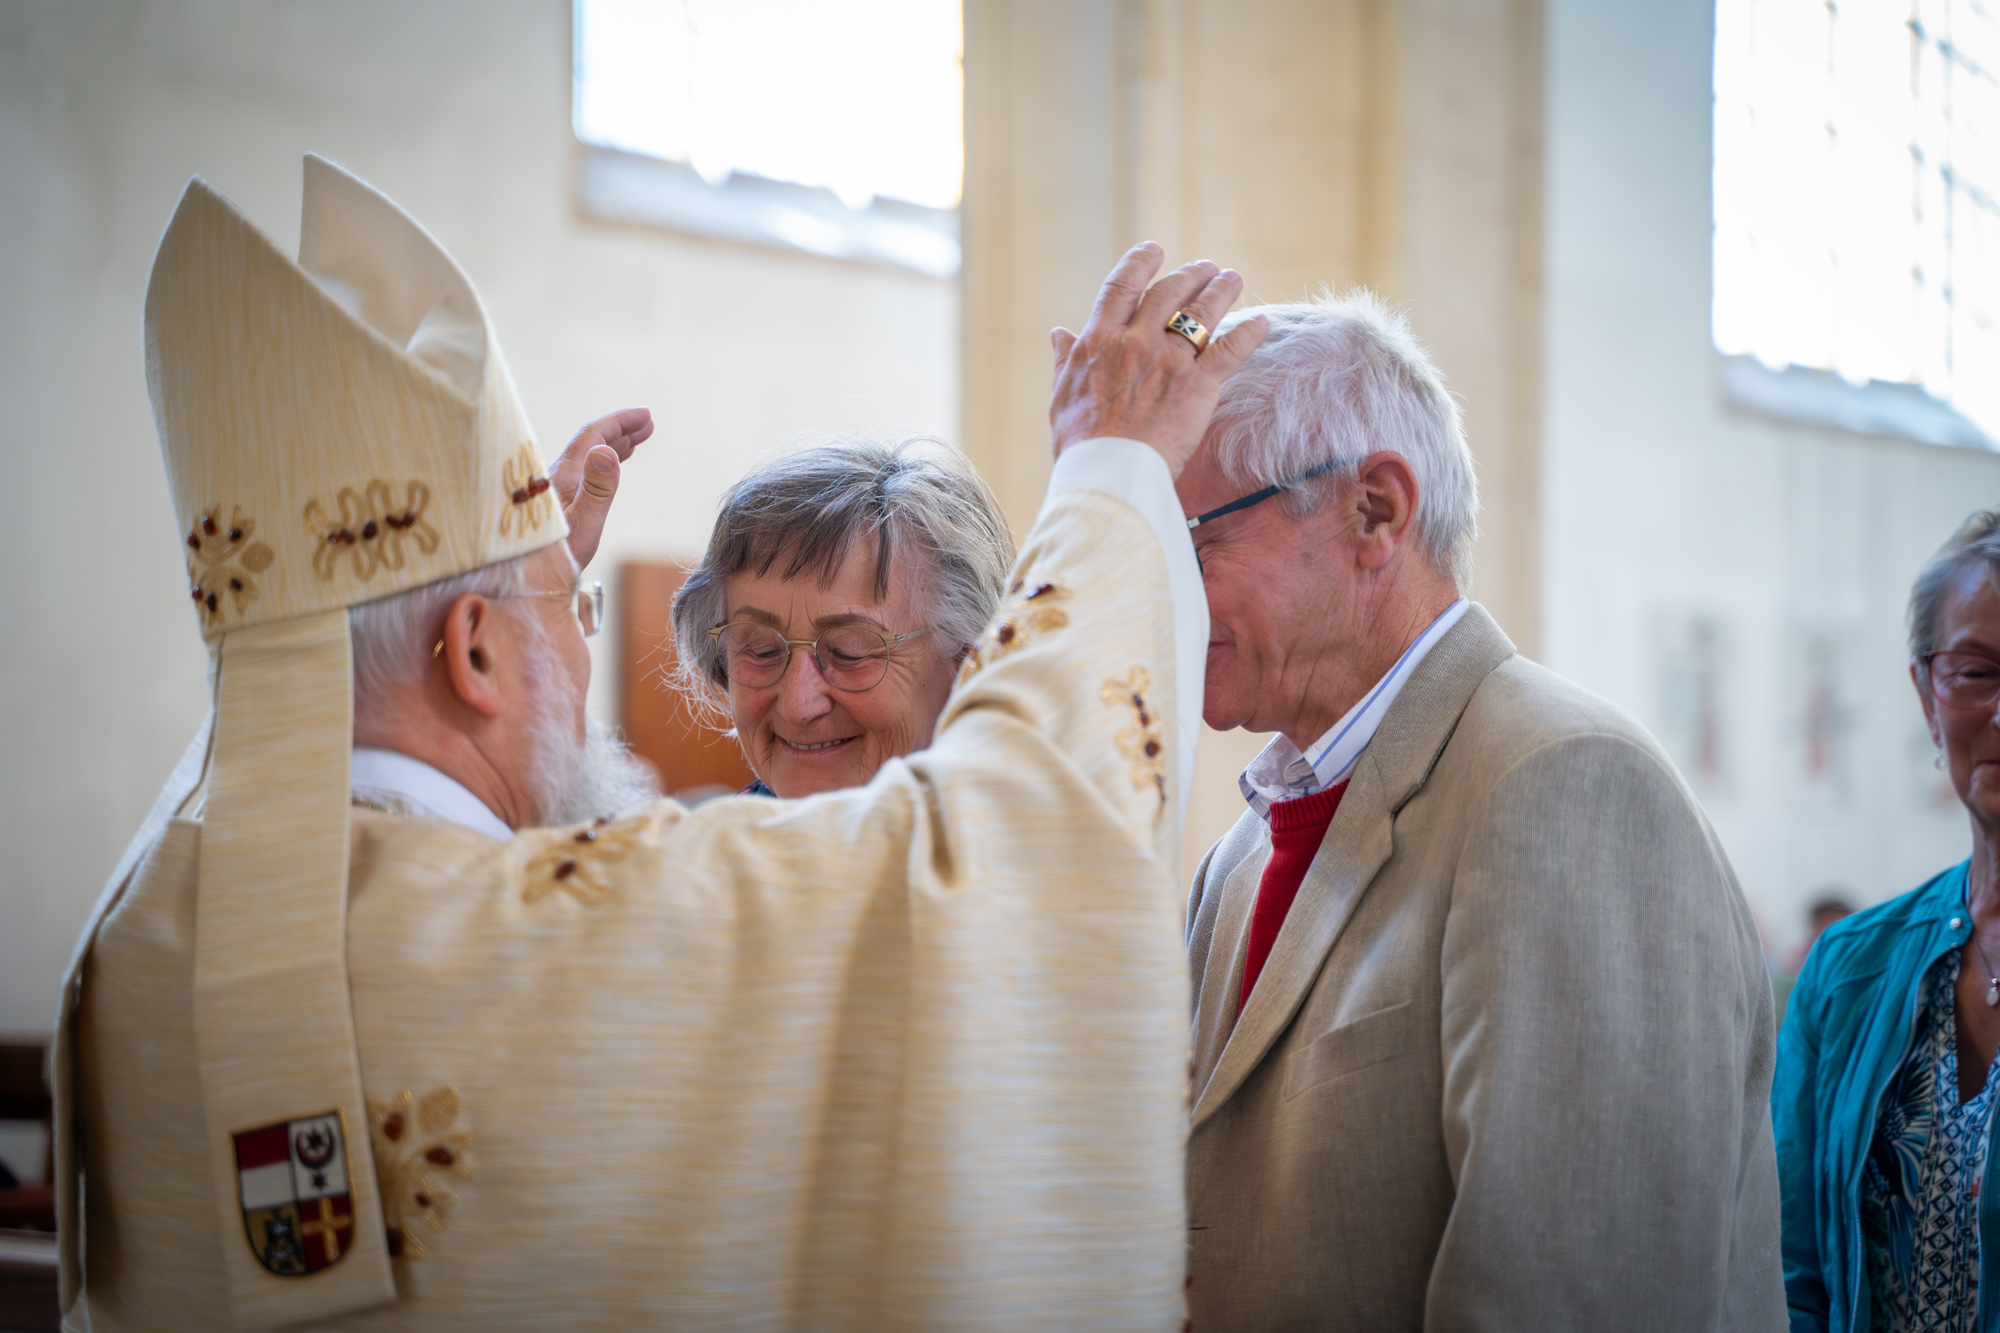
pixel 1386 503
pixel 471 637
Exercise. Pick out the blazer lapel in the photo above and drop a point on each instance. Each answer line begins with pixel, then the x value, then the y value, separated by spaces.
pixel 1362 837
pixel 1228 923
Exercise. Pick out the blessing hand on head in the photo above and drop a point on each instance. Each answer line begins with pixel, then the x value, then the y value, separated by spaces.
pixel 1144 367
pixel 586 476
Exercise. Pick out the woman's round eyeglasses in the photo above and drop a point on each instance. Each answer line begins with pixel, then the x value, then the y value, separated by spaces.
pixel 1963 680
pixel 849 657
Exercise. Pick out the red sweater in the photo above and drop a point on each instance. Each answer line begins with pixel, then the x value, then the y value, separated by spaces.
pixel 1298 826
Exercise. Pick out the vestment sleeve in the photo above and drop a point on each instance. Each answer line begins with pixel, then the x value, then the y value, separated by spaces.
pixel 1133 472
pixel 1795 1119
pixel 1606 1045
pixel 914 1054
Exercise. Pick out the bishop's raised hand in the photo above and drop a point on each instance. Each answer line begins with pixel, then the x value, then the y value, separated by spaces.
pixel 585 477
pixel 1128 375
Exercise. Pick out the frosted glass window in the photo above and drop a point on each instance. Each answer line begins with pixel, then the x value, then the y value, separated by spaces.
pixel 862 97
pixel 1857 191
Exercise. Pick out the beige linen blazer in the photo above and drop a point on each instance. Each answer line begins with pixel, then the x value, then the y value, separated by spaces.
pixel 1509 1063
pixel 908 1056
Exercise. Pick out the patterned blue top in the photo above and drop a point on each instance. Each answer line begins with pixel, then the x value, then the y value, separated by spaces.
pixel 1920 1187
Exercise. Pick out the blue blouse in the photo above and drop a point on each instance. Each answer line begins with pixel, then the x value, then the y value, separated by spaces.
pixel 1920 1183
pixel 1848 1035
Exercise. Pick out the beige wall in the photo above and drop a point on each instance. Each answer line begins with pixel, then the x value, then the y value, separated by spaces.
pixel 458 109
pixel 1664 507
pixel 1303 142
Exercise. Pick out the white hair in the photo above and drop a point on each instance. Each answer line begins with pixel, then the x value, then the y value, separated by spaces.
pixel 393 635
pixel 1339 378
pixel 1976 542
pixel 571 781
pixel 575 781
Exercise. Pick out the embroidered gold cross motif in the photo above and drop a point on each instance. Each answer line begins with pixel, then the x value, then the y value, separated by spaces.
pixel 1142 742
pixel 416 1143
pixel 576 861
pixel 221 561
pixel 1024 617
pixel 526 486
pixel 370 526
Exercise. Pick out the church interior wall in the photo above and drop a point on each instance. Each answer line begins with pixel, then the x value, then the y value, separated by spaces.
pixel 459 110
pixel 1736 582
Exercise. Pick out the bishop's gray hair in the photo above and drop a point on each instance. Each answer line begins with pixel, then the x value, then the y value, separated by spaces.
pixel 393 635
pixel 801 513
pixel 1338 379
pixel 1977 539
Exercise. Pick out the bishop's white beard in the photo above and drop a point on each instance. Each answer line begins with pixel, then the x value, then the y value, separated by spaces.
pixel 576 781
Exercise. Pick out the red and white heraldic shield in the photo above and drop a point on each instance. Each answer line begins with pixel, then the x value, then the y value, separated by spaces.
pixel 298 1196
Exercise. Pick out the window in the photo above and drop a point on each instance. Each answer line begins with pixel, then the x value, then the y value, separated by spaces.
pixel 833 126
pixel 1857 211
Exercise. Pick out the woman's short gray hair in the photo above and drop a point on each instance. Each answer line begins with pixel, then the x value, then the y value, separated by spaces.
pixel 1339 378
pixel 1977 539
pixel 801 513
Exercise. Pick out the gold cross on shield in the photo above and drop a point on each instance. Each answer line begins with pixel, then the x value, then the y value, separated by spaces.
pixel 327 1226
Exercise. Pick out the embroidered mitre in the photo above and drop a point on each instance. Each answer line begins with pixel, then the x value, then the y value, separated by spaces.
pixel 335 429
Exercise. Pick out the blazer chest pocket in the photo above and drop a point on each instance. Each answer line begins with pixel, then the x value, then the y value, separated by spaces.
pixel 1368 1040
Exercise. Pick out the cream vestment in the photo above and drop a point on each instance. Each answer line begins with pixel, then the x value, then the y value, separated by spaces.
pixel 906 1056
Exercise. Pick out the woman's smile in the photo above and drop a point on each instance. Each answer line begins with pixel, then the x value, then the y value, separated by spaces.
pixel 815 747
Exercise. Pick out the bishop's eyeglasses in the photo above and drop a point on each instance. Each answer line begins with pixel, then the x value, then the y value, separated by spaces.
pixel 852 658
pixel 589 603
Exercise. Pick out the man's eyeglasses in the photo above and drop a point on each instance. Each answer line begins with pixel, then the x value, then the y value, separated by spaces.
pixel 1963 680
pixel 1258 497
pixel 849 657
pixel 589 603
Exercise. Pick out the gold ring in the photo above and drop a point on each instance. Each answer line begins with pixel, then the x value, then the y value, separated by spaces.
pixel 1189 328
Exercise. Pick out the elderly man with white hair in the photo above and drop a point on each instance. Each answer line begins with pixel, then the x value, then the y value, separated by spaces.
pixel 1482 1036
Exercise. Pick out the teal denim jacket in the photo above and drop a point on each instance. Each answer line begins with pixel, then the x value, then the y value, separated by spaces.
pixel 1846 1031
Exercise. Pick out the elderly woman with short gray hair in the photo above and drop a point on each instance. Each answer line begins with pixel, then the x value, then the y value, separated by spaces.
pixel 1884 1093
pixel 842 587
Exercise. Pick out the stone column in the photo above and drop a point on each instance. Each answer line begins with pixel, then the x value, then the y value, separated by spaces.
pixel 1389 143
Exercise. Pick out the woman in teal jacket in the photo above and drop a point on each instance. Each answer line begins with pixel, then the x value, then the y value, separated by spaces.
pixel 1886 1079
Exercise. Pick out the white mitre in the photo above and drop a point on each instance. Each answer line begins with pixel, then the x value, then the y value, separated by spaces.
pixel 336 430
pixel 350 413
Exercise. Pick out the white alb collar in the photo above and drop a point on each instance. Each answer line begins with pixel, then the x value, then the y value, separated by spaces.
pixel 411 786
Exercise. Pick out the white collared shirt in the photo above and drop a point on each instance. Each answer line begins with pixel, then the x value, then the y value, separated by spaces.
pixel 1280 772
pixel 412 787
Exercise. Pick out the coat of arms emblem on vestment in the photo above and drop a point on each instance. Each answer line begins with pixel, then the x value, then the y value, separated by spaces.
pixel 297 1192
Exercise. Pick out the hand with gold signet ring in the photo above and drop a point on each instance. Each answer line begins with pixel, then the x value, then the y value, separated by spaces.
pixel 1144 367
